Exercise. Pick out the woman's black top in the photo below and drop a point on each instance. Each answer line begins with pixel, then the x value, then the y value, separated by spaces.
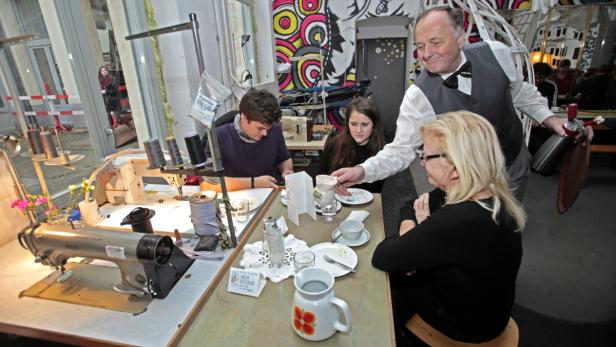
pixel 361 154
pixel 469 264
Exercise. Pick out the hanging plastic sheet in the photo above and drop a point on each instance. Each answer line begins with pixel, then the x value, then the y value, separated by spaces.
pixel 210 96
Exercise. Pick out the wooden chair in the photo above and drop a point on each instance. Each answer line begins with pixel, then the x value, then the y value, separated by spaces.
pixel 508 338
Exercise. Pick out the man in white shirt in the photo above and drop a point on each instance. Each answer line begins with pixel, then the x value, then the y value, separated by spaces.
pixel 450 82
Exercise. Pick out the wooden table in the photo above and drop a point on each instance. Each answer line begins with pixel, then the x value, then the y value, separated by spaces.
pixel 228 319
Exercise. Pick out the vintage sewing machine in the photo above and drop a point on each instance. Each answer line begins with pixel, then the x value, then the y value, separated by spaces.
pixel 296 128
pixel 148 263
pixel 119 179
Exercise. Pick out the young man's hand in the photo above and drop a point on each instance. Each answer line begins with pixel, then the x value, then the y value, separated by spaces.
pixel 266 181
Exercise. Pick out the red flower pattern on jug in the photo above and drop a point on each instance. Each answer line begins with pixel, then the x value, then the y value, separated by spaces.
pixel 304 321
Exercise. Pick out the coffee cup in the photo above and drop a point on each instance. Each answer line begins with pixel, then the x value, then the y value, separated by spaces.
pixel 351 229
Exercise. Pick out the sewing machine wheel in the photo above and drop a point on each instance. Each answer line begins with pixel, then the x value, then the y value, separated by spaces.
pixel 154 248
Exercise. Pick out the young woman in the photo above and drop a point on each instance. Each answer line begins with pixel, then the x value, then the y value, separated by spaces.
pixel 361 138
pixel 110 90
pixel 456 259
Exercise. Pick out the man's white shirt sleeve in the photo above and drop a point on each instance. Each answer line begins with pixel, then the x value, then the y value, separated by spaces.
pixel 415 110
pixel 525 96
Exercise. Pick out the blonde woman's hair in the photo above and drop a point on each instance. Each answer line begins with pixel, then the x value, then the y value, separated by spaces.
pixel 471 145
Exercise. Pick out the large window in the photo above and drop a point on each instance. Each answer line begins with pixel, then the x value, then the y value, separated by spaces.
pixel 45 80
pixel 243 43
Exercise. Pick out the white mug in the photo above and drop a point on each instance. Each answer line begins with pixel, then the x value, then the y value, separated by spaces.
pixel 325 190
pixel 314 315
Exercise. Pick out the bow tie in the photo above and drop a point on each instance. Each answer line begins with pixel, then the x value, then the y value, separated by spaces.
pixel 452 81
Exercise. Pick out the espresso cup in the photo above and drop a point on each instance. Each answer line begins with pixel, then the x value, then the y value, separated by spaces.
pixel 351 229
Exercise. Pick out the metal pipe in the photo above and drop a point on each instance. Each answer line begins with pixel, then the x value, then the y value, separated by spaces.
pixel 194 26
pixel 197 41
pixel 545 35
pixel 21 119
pixel 212 134
pixel 217 165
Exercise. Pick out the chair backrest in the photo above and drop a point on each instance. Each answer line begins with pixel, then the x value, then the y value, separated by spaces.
pixel 508 338
pixel 222 120
pixel 226 118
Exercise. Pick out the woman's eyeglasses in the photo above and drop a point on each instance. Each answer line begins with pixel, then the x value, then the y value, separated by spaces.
pixel 423 157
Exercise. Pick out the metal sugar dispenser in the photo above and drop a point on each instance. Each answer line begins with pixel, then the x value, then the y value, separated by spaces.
pixel 273 241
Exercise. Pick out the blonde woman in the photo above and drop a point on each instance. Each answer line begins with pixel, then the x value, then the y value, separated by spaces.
pixel 456 259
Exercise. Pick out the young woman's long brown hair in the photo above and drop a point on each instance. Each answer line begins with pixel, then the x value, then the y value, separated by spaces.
pixel 344 154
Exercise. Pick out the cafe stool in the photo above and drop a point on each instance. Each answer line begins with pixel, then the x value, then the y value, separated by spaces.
pixel 424 331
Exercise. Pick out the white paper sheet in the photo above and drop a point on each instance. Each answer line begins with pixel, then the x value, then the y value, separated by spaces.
pixel 299 190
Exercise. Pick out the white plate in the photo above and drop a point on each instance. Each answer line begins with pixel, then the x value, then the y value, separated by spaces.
pixel 253 203
pixel 365 237
pixel 336 251
pixel 358 197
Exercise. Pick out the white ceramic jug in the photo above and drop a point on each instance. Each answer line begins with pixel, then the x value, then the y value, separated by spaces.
pixel 314 315
pixel 325 189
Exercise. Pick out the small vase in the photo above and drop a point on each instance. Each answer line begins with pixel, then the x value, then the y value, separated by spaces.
pixel 89 212
pixel 57 219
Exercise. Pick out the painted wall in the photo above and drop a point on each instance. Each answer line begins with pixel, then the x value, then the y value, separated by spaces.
pixel 304 27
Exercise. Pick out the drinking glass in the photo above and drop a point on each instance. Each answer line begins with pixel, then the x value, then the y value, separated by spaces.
pixel 242 210
pixel 328 211
pixel 303 260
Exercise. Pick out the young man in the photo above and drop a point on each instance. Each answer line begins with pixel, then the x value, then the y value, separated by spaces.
pixel 252 147
pixel 480 78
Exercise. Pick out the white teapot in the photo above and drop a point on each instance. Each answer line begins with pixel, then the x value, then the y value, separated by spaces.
pixel 314 315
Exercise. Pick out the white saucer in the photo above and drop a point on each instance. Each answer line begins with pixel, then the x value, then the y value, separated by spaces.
pixel 362 240
pixel 358 197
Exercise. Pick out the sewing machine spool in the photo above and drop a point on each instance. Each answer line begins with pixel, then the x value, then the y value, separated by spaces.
pixel 155 155
pixel 34 138
pixel 48 146
pixel 174 152
pixel 139 220
pixel 203 213
pixel 195 149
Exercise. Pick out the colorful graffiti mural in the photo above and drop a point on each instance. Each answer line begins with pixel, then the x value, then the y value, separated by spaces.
pixel 310 27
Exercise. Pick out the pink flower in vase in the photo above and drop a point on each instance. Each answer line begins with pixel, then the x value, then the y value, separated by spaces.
pixel 41 200
pixel 22 205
